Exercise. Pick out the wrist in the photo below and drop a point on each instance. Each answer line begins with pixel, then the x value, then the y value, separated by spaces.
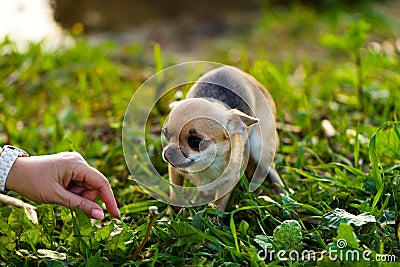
pixel 15 175
pixel 8 157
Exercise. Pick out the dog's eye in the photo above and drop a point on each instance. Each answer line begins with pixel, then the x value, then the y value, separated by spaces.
pixel 194 142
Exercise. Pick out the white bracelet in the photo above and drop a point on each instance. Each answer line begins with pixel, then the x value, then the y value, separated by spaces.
pixel 7 159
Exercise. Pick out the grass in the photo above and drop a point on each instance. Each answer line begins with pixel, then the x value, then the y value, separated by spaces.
pixel 343 188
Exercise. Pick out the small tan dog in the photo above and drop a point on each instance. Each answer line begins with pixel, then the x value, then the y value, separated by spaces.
pixel 226 118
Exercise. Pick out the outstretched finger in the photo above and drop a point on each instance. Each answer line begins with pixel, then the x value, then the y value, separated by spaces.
pixel 97 181
pixel 71 200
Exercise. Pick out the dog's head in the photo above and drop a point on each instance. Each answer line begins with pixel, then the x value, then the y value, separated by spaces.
pixel 198 132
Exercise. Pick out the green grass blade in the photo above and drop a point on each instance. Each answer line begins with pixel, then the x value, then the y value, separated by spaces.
pixel 158 62
pixel 232 223
pixel 357 147
pixel 377 198
pixel 396 130
pixel 373 157
pixel 139 206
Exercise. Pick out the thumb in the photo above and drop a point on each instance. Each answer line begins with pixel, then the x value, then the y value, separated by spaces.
pixel 90 208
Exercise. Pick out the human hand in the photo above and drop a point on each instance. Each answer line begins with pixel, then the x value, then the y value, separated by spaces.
pixel 65 179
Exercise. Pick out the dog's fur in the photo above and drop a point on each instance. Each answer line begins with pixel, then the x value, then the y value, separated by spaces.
pixel 224 118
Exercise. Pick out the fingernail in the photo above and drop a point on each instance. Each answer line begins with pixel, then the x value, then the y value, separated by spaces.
pixel 97 214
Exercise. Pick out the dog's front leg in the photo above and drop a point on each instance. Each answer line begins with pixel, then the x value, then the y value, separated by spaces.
pixel 222 200
pixel 176 179
pixel 232 174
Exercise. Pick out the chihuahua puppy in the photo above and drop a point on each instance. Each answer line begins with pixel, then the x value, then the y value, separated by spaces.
pixel 225 125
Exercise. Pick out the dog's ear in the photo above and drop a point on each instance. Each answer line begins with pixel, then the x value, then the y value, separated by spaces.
pixel 175 104
pixel 239 121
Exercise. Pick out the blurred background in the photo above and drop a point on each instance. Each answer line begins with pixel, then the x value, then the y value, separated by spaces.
pixel 190 30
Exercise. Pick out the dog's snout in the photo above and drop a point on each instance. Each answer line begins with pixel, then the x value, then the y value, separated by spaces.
pixel 174 156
